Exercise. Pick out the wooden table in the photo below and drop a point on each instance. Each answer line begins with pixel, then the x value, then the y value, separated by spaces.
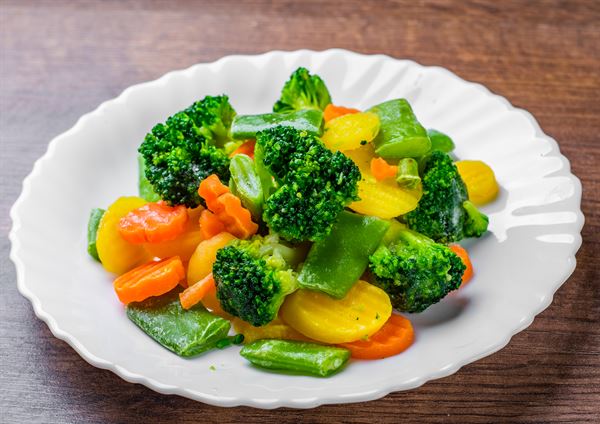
pixel 60 59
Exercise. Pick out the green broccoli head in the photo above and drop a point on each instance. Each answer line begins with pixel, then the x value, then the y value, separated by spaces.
pixel 314 183
pixel 444 212
pixel 253 277
pixel 415 271
pixel 302 91
pixel 183 151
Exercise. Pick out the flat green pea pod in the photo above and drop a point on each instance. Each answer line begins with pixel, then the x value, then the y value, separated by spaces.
pixel 296 357
pixel 440 141
pixel 92 231
pixel 246 126
pixel 246 184
pixel 335 263
pixel 184 332
pixel 145 189
pixel 400 134
pixel 408 173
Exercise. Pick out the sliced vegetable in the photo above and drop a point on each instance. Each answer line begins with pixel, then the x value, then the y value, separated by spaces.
pixel 350 131
pixel 246 126
pixel 462 253
pixel 400 135
pixel 93 223
pixel 296 357
pixel 276 329
pixel 361 313
pixel 117 255
pixel 153 223
pixel 151 279
pixel 408 173
pixel 440 141
pixel 246 148
pixel 195 293
pixel 332 111
pixel 382 170
pixel 145 188
pixel 395 336
pixel 245 183
pixel 187 333
pixel 204 256
pixel 210 224
pixel 479 179
pixel 335 263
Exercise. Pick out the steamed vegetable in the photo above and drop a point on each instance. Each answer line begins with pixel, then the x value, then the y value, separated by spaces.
pixel 153 223
pixel 302 91
pixel 196 292
pixel 350 131
pixel 246 184
pixel 462 253
pixel 93 223
pixel 204 256
pixel 332 111
pixel 440 141
pixel 247 126
pixel 335 263
pixel 408 173
pixel 145 189
pixel 276 329
pixel 479 180
pixel 296 357
pixel 187 333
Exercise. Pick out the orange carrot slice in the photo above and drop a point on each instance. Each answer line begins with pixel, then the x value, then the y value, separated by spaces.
pixel 395 336
pixel 195 293
pixel 462 253
pixel 246 148
pixel 210 224
pixel 151 279
pixel 332 111
pixel 382 170
pixel 211 188
pixel 153 223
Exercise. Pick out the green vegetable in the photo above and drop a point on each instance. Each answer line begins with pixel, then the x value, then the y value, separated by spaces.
pixel 393 232
pixel 296 357
pixel 335 263
pixel 185 332
pixel 415 271
pixel 92 231
pixel 408 173
pixel 254 276
pixel 247 126
pixel 303 91
pixel 444 213
pixel 145 189
pixel 314 183
pixel 440 141
pixel 246 184
pixel 187 148
pixel 400 134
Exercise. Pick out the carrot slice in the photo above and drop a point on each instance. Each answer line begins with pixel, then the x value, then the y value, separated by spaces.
pixel 246 148
pixel 332 111
pixel 210 224
pixel 462 253
pixel 395 336
pixel 151 279
pixel 211 188
pixel 153 223
pixel 382 170
pixel 195 293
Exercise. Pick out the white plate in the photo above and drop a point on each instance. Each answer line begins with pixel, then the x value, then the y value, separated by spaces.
pixel 529 252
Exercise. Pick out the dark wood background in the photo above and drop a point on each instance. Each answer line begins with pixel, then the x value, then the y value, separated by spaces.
pixel 60 59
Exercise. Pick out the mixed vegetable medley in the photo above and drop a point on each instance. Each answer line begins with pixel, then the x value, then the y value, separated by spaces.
pixel 308 229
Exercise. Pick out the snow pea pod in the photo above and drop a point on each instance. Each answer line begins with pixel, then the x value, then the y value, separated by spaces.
pixel 246 184
pixel 440 141
pixel 335 263
pixel 185 332
pixel 296 357
pixel 145 189
pixel 246 126
pixel 400 134
pixel 93 224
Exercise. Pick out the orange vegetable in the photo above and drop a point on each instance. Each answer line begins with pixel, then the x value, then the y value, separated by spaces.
pixel 382 170
pixel 227 208
pixel 246 148
pixel 332 111
pixel 151 279
pixel 194 294
pixel 204 256
pixel 153 223
pixel 464 255
pixel 395 336
pixel 210 225
pixel 185 244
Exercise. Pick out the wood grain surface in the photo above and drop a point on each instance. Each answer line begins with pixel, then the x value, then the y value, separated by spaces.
pixel 60 59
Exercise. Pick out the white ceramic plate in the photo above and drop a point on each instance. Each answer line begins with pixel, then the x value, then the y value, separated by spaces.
pixel 529 252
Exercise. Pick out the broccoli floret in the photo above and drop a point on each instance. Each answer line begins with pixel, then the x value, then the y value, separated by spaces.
pixel 186 149
pixel 253 277
pixel 302 91
pixel 314 183
pixel 415 271
pixel 444 212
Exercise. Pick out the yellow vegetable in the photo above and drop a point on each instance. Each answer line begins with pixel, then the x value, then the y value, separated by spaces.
pixel 362 312
pixel 276 329
pixel 116 254
pixel 185 244
pixel 384 199
pixel 480 180
pixel 204 256
pixel 348 131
